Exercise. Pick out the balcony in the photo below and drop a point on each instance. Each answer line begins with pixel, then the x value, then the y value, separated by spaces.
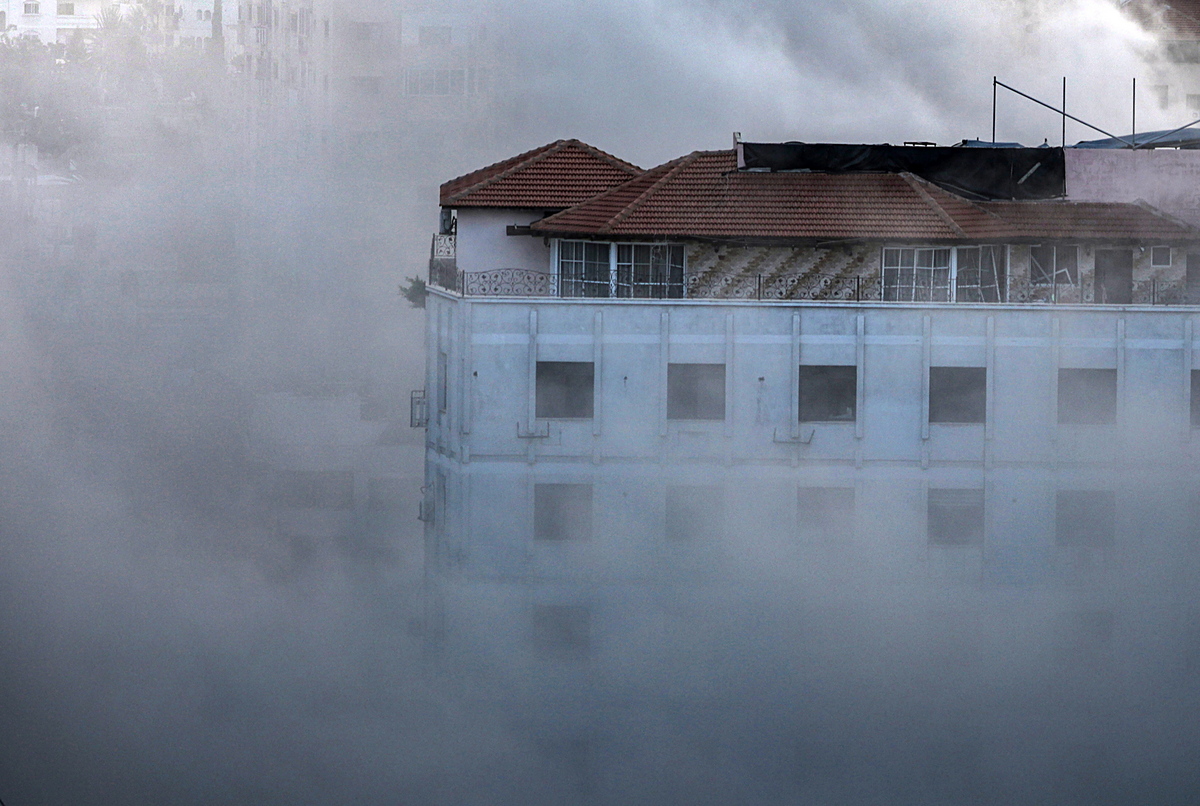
pixel 810 287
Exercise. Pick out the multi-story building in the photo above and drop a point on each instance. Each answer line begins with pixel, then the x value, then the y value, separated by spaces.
pixel 48 20
pixel 700 436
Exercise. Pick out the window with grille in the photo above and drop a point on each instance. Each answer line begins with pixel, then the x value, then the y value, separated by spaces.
pixel 631 271
pixel 583 269
pixel 916 275
pixel 652 271
pixel 942 274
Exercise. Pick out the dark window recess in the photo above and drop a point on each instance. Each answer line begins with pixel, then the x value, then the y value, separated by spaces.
pixel 695 513
pixel 696 392
pixel 1160 256
pixel 828 393
pixel 957 394
pixel 1086 518
pixel 955 517
pixel 561 628
pixel 307 489
pixel 1114 276
pixel 562 512
pixel 565 389
pixel 1196 398
pixel 1087 396
pixel 1192 279
pixel 443 382
pixel 825 514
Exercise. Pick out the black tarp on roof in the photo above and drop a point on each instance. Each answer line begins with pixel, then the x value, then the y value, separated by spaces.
pixel 977 173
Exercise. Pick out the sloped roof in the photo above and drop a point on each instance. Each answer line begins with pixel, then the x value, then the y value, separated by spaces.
pixel 1176 19
pixel 556 176
pixel 703 195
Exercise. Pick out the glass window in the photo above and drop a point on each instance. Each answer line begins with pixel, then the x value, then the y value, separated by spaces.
pixel 981 274
pixel 916 275
pixel 583 269
pixel 652 271
pixel 1054 265
pixel 1160 256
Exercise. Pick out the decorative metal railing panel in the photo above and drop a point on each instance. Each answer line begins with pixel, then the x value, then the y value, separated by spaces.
pixel 507 283
pixel 444 247
pixel 808 287
pixel 418 409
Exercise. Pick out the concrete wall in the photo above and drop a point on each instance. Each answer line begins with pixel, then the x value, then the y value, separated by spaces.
pixel 1165 178
pixel 484 246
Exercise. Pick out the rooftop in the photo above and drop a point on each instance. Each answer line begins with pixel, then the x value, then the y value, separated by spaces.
pixel 704 196
pixel 553 177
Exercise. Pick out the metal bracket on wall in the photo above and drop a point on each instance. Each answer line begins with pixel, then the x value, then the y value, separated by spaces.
pixel 542 432
pixel 803 438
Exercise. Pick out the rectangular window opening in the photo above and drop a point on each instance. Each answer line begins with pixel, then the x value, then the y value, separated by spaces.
pixel 1087 396
pixel 957 394
pixel 565 389
pixel 1160 256
pixel 955 517
pixel 562 512
pixel 1054 265
pixel 1195 402
pixel 828 393
pixel 696 392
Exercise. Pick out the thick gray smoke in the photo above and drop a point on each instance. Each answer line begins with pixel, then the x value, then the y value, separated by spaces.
pixel 167 636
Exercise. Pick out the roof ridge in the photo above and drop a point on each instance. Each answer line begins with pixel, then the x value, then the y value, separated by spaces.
pixel 679 164
pixel 1163 214
pixel 519 159
pixel 938 210
pixel 532 157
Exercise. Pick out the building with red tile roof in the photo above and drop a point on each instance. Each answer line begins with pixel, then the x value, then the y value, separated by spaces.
pixel 555 176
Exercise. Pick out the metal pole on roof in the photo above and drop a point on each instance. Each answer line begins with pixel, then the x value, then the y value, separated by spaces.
pixel 1064 111
pixel 1133 126
pixel 993 110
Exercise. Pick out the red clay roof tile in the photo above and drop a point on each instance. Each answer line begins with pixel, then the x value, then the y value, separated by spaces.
pixel 553 177
pixel 703 195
